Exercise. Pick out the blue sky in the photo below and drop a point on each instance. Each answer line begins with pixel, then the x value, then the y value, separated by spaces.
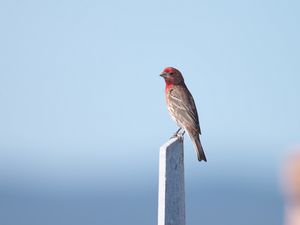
pixel 82 102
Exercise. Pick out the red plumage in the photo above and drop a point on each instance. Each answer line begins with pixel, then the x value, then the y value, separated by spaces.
pixel 182 108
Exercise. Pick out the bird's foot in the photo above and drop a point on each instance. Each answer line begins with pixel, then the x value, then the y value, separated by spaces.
pixel 178 134
pixel 181 134
pixel 173 136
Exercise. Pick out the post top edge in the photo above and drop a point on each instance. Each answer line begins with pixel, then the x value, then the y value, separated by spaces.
pixel 172 141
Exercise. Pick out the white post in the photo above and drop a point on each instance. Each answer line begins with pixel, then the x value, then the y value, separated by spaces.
pixel 171 199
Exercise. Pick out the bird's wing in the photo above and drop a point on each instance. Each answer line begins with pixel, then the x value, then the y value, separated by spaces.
pixel 183 103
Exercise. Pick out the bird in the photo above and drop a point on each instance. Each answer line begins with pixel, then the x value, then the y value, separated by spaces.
pixel 182 108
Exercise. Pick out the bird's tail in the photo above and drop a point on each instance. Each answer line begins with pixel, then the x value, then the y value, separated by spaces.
pixel 197 144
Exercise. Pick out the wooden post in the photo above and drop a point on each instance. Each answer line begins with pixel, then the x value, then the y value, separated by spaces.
pixel 171 197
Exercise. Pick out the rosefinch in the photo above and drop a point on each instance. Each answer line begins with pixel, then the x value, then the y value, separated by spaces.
pixel 182 108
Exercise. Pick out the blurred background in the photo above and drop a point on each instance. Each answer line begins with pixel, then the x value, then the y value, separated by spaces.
pixel 83 111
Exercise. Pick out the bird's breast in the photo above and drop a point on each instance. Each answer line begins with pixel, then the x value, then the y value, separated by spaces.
pixel 169 86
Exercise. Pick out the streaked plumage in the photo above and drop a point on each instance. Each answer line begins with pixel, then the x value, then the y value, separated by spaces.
pixel 182 108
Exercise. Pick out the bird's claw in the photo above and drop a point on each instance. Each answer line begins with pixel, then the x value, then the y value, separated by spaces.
pixel 173 136
pixel 178 135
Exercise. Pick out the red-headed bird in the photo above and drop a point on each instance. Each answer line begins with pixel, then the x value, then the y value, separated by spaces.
pixel 182 108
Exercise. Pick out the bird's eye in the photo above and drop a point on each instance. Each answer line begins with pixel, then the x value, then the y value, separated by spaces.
pixel 171 73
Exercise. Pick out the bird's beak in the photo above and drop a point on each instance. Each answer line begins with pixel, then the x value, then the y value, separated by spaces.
pixel 163 74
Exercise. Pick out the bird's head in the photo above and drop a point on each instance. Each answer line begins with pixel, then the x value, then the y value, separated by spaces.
pixel 172 76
